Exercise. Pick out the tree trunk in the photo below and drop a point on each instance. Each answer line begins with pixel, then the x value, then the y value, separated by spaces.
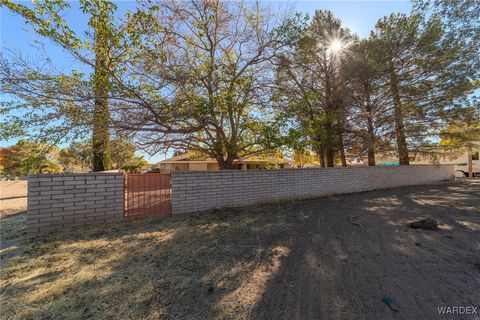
pixel 399 121
pixel 341 145
pixel 343 158
pixel 329 126
pixel 101 114
pixel 371 149
pixel 330 150
pixel 101 136
pixel 321 155
pixel 330 156
pixel 225 163
pixel 370 136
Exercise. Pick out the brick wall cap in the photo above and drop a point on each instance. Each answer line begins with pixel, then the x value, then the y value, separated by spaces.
pixel 305 169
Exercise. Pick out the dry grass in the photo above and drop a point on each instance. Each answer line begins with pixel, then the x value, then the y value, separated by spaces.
pixel 12 226
pixel 149 269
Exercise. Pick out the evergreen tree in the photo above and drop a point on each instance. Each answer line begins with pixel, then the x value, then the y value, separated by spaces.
pixel 311 82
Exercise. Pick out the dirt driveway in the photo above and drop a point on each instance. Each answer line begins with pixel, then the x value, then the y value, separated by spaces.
pixel 327 258
pixel 353 251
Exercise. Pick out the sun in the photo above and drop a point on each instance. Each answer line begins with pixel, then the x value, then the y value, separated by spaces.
pixel 336 46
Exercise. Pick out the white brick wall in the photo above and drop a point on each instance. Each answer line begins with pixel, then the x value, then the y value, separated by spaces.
pixel 196 191
pixel 57 201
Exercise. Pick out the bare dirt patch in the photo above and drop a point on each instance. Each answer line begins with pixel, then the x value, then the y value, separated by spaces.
pixel 330 258
pixel 13 197
pixel 13 206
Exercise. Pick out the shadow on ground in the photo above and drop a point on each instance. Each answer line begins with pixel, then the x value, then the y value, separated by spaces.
pixel 329 258
pixel 357 249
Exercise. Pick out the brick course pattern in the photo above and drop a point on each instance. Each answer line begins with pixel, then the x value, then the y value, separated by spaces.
pixel 197 191
pixel 58 201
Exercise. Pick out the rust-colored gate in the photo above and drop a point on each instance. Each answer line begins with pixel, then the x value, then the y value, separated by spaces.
pixel 147 194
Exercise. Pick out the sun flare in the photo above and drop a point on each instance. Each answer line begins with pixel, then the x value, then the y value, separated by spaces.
pixel 336 46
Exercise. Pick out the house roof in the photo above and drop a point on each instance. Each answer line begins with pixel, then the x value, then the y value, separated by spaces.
pixel 198 158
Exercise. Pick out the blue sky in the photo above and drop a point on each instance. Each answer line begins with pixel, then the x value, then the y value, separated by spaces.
pixel 359 16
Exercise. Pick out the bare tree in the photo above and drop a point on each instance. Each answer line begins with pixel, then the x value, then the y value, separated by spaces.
pixel 215 60
pixel 191 75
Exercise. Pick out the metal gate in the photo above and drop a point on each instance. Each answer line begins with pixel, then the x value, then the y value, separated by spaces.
pixel 147 194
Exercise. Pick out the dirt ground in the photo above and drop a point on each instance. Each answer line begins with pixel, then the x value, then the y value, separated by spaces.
pixel 13 196
pixel 13 205
pixel 327 258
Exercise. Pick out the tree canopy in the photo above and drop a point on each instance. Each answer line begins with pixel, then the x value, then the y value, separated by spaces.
pixel 29 157
pixel 232 80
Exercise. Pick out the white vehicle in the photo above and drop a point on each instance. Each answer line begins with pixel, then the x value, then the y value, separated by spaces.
pixel 461 170
pixel 461 165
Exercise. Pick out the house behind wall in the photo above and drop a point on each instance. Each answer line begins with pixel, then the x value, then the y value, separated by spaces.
pixel 188 162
